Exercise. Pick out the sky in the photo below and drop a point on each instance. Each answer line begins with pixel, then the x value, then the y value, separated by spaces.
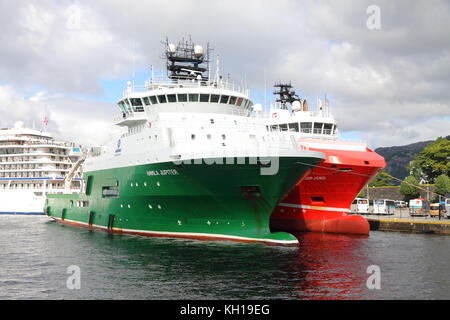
pixel 384 65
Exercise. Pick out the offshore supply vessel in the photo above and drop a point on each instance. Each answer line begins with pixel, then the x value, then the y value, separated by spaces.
pixel 321 201
pixel 191 161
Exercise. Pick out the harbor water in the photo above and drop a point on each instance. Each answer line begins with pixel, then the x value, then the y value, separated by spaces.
pixel 37 256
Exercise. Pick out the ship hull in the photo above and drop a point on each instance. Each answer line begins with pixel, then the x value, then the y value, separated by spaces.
pixel 198 200
pixel 321 201
pixel 23 202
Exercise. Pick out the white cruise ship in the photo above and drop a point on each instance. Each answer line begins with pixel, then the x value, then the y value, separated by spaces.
pixel 33 164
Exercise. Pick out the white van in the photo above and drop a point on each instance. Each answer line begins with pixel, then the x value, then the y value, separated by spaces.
pixel 360 205
pixel 384 206
pixel 447 207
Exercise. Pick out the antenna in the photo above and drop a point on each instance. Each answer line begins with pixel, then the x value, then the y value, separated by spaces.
pixel 134 60
pixel 265 88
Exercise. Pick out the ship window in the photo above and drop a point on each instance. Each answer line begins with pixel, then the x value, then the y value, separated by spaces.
pixel 232 100
pixel 153 100
pixel 318 127
pixel 334 129
pixel 136 102
pixel 172 98
pixel 215 98
pixel 327 128
pixel 317 199
pixel 293 127
pixel 224 99
pixel 182 97
pixel 146 101
pixel 162 99
pixel 128 105
pixel 274 127
pixel 239 102
pixel 193 136
pixel 193 97
pixel 305 127
pixel 204 97
pixel 283 127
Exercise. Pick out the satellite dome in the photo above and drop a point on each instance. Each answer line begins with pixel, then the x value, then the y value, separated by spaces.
pixel 296 105
pixel 171 48
pixel 19 125
pixel 198 51
pixel 257 107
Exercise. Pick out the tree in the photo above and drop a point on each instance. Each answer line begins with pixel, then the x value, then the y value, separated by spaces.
pixel 432 161
pixel 382 179
pixel 442 185
pixel 409 187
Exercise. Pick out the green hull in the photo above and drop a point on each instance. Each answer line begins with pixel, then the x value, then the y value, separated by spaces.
pixel 204 201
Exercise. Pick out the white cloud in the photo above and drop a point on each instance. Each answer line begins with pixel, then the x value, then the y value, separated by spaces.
pixel 387 85
pixel 71 119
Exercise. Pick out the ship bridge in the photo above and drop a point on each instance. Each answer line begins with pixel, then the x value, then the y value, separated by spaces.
pixel 188 87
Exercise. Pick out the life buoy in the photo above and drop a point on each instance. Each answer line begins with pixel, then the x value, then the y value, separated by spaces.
pixel 274 115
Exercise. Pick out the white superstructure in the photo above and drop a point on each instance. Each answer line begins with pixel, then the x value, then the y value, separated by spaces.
pixel 33 164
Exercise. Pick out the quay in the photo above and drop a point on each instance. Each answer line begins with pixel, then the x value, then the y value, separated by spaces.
pixel 401 221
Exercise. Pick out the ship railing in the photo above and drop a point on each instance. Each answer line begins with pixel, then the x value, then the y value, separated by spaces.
pixel 159 81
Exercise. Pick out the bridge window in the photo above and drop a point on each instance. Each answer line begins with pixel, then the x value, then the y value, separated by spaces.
pixel 318 127
pixel 182 97
pixel 128 105
pixel 334 129
pixel 293 127
pixel 274 127
pixel 327 127
pixel 224 99
pixel 215 98
pixel 204 97
pixel 239 102
pixel 162 99
pixel 232 100
pixel 193 97
pixel 306 127
pixel 136 102
pixel 172 98
pixel 146 101
pixel 283 127
pixel 153 100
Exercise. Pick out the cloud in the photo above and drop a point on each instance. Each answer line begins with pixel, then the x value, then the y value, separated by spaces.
pixel 386 85
pixel 72 119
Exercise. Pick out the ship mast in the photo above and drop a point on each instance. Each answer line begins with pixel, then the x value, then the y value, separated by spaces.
pixel 286 94
pixel 187 61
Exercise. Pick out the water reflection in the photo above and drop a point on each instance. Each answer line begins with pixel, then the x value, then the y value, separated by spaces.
pixel 324 266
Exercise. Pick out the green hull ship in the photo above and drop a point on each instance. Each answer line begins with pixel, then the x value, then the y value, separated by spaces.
pixel 193 163
pixel 228 202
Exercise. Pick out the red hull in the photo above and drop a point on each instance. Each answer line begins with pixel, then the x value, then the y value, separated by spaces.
pixel 321 201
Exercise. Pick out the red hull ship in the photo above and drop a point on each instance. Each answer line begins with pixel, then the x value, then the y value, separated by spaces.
pixel 321 201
